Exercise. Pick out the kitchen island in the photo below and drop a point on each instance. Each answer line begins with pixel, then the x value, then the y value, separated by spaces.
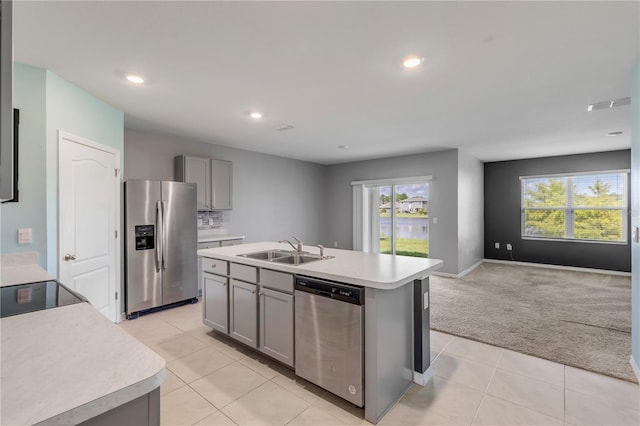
pixel 396 349
pixel 70 364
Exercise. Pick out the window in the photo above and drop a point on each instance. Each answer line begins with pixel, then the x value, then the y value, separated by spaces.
pixel 584 207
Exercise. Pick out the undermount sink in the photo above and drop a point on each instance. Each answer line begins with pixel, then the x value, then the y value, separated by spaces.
pixel 297 259
pixel 284 256
pixel 269 255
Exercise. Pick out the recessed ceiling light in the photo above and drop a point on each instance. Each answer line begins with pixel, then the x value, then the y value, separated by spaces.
pixel 136 79
pixel 256 115
pixel 614 133
pixel 343 146
pixel 412 61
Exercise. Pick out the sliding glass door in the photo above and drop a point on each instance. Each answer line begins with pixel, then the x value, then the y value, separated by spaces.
pixel 396 219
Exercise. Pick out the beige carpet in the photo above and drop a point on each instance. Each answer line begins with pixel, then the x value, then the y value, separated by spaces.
pixel 575 318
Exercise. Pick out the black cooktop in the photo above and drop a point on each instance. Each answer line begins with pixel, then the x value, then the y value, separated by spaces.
pixel 23 298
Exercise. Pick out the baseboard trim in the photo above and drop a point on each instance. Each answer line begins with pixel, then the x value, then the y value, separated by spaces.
pixel 423 378
pixel 122 317
pixel 635 367
pixel 566 268
pixel 461 274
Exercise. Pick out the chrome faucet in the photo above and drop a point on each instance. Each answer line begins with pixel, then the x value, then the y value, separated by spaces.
pixel 298 248
pixel 321 247
pixel 299 244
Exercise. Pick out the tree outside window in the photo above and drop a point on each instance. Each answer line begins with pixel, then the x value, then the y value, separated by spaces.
pixel 590 207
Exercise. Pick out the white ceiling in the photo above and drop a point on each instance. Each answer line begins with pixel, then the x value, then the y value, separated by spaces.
pixel 501 80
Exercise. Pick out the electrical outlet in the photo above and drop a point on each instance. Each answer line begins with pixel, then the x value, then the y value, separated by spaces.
pixel 335 244
pixel 509 247
pixel 435 219
pixel 24 236
pixel 496 245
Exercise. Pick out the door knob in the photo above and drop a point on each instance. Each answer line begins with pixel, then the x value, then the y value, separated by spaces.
pixel 67 257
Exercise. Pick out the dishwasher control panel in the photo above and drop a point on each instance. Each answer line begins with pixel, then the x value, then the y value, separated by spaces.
pixel 339 291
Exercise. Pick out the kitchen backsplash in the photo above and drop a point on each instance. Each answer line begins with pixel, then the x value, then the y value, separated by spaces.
pixel 210 219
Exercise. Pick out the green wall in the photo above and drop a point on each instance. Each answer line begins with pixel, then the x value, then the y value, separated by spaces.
pixel 50 104
pixel 72 110
pixel 29 97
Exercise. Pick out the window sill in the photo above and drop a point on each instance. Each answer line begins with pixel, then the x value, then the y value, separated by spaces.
pixel 567 240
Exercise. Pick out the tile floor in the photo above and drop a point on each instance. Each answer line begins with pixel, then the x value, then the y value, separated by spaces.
pixel 211 380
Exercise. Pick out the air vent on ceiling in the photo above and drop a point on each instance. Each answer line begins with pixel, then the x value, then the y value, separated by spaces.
pixel 285 127
pixel 609 104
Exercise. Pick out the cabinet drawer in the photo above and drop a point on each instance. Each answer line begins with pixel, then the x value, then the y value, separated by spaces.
pixel 209 244
pixel 226 243
pixel 215 266
pixel 276 280
pixel 244 272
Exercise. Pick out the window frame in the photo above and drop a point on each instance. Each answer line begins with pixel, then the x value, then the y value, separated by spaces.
pixel 569 209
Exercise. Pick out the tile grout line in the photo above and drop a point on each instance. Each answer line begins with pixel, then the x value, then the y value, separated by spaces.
pixel 495 368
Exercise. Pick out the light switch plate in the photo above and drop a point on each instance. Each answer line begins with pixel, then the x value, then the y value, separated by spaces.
pixel 24 236
pixel 635 234
pixel 426 300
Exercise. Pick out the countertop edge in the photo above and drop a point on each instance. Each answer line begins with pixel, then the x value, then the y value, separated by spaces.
pixel 220 238
pixel 300 270
pixel 108 402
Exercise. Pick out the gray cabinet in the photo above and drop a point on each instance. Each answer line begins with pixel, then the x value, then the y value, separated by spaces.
pixel 243 307
pixel 276 325
pixel 216 302
pixel 214 179
pixel 196 170
pixel 214 282
pixel 221 185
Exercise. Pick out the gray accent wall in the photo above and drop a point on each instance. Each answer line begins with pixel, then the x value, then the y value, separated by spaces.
pixel 443 199
pixel 502 215
pixel 635 214
pixel 273 197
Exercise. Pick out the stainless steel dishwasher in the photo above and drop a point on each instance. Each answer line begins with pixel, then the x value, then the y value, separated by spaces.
pixel 330 336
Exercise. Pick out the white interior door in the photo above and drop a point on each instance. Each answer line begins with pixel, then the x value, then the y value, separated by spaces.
pixel 89 205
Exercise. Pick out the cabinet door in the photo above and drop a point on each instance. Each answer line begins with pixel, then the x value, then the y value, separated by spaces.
pixel 276 325
pixel 244 315
pixel 197 170
pixel 221 184
pixel 216 298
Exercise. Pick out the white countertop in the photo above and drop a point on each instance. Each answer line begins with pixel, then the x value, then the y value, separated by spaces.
pixel 374 270
pixel 21 274
pixel 69 364
pixel 221 237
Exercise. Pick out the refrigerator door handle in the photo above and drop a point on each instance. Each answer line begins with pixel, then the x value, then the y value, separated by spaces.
pixel 165 235
pixel 159 228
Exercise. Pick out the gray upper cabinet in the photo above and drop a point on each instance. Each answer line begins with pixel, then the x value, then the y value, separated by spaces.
pixel 221 185
pixel 214 179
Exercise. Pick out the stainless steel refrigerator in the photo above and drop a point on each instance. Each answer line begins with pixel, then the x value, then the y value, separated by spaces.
pixel 161 240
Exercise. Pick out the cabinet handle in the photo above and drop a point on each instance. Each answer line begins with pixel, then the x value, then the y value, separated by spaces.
pixel 253 292
pixel 261 293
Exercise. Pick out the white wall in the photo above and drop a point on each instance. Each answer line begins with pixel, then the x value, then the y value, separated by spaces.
pixel 443 198
pixel 470 211
pixel 273 197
